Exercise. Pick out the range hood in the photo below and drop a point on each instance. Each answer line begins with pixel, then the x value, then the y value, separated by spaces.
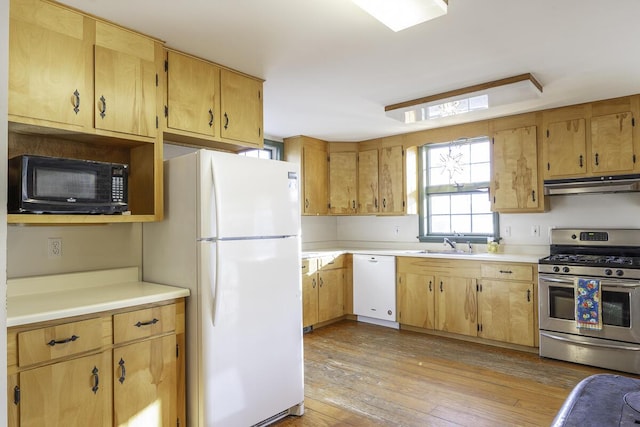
pixel 599 184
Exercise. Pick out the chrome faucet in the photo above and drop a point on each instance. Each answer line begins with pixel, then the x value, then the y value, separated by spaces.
pixel 450 243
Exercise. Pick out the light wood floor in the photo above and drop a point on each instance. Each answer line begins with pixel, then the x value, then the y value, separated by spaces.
pixel 358 374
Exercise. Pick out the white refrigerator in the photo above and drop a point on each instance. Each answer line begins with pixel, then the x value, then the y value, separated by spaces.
pixel 231 234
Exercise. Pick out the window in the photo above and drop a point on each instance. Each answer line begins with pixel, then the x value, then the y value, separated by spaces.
pixel 454 182
pixel 271 150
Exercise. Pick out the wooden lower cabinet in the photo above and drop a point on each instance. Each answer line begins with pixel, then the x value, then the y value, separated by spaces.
pixel 134 383
pixel 144 383
pixel 506 303
pixel 489 300
pixel 76 392
pixel 456 305
pixel 323 289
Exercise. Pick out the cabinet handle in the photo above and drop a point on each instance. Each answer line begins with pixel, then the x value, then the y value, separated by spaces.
pixel 321 282
pixel 96 380
pixel 430 286
pixel 150 322
pixel 16 395
pixel 353 204
pixel 384 203
pixel 376 203
pixel 441 286
pixel 597 159
pixel 226 121
pixel 306 203
pixel 506 272
pixel 528 295
pixel 581 160
pixel 76 104
pixel 533 195
pixel 64 341
pixel 123 371
pixel 313 283
pixel 210 118
pixel 102 107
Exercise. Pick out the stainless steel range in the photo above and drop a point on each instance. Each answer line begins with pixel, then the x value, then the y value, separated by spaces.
pixel 612 258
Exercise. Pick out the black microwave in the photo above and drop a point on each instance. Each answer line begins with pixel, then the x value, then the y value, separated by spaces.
pixel 55 185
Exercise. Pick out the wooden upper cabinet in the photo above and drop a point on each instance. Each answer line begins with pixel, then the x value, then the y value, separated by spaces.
pixel 125 74
pixel 565 149
pixel 514 182
pixel 47 65
pixel 241 108
pixel 391 180
pixel 343 183
pixel 315 180
pixel 612 148
pixel 192 103
pixel 368 181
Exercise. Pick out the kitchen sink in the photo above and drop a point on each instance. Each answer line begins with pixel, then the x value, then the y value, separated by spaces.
pixel 439 252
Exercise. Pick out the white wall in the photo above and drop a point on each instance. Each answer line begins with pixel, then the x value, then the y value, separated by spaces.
pixel 593 210
pixel 4 85
pixel 84 248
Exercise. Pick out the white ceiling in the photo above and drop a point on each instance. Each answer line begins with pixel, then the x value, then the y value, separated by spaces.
pixel 330 68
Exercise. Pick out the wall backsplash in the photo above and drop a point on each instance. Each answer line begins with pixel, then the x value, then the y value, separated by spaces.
pixel 84 248
pixel 589 210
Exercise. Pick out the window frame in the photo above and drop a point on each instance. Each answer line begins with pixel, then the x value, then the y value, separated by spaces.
pixel 423 206
pixel 276 148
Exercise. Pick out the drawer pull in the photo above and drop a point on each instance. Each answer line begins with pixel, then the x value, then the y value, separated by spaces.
pixel 70 339
pixel 506 271
pixel 96 380
pixel 150 322
pixel 123 371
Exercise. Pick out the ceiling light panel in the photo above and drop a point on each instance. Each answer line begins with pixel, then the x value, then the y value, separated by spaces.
pixel 401 14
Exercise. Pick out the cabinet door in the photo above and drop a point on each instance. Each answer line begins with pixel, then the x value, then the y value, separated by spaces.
pixel 309 293
pixel 191 94
pixel 565 149
pixel 506 311
pixel 456 305
pixel 391 180
pixel 144 383
pixel 514 183
pixel 72 393
pixel 125 81
pixel 416 300
pixel 612 143
pixel 368 181
pixel 241 108
pixel 342 183
pixel 13 400
pixel 330 294
pixel 47 73
pixel 315 180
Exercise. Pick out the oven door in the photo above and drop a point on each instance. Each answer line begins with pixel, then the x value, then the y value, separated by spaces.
pixel 620 307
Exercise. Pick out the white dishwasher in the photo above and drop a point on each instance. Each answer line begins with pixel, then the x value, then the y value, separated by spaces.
pixel 374 289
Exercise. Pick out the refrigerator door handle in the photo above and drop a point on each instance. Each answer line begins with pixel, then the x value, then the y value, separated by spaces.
pixel 209 276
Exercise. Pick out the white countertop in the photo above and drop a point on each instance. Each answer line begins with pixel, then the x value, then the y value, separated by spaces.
pixel 479 256
pixel 43 298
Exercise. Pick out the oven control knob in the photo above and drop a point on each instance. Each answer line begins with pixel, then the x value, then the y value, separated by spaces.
pixel 619 272
pixel 608 271
pixel 565 269
pixel 556 269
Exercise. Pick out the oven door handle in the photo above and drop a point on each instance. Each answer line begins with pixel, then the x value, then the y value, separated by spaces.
pixel 620 283
pixel 590 344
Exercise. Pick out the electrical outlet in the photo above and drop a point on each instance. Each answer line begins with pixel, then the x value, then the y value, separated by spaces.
pixel 396 231
pixel 54 247
pixel 535 230
pixel 507 231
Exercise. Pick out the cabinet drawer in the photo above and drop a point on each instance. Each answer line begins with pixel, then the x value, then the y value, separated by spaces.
pixel 508 271
pixel 309 266
pixel 330 261
pixel 144 323
pixel 41 345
